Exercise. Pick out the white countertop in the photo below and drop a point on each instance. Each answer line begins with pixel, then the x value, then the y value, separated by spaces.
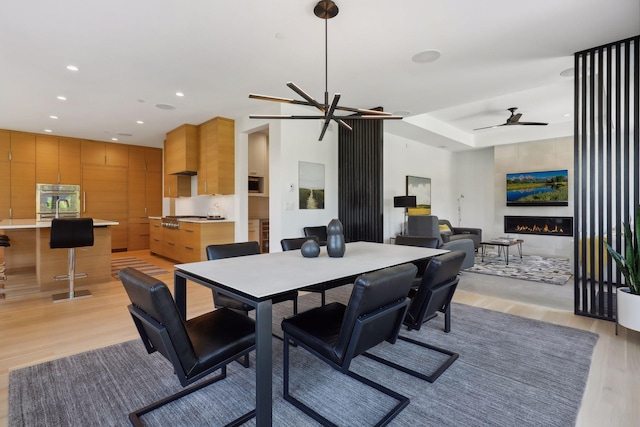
pixel 197 220
pixel 13 224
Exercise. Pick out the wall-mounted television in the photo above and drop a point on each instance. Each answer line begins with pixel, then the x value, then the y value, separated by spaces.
pixel 546 188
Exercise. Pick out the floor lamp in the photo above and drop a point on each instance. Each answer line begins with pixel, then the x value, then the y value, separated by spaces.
pixel 405 202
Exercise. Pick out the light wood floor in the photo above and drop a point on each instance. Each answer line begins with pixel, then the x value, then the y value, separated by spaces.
pixel 34 330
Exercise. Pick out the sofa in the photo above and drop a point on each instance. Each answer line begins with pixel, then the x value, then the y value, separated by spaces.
pixel 450 233
pixel 428 226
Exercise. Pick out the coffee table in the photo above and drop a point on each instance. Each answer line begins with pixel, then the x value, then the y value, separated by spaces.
pixel 502 243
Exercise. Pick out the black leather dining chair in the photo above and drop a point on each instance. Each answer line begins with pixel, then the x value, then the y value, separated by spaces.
pixel 319 231
pixel 294 243
pixel 423 242
pixel 336 333
pixel 231 250
pixel 432 296
pixel 196 347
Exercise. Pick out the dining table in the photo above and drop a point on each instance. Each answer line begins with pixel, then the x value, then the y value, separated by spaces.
pixel 256 279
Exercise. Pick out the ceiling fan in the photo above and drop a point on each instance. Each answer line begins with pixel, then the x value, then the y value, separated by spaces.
pixel 325 9
pixel 514 119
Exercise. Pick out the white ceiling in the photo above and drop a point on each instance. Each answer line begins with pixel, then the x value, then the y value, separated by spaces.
pixel 134 54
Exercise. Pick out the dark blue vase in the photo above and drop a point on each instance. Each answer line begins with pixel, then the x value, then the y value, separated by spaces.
pixel 335 239
pixel 310 249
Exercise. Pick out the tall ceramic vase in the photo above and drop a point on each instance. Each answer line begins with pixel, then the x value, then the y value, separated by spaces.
pixel 335 239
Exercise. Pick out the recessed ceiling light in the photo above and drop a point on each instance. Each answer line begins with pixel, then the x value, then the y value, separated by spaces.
pixel 140 122
pixel 569 72
pixel 61 98
pixel 48 130
pixel 114 139
pixel 179 94
pixel 426 56
pixel 281 36
pixel 566 115
pixel 165 107
pixel 53 117
pixel 72 68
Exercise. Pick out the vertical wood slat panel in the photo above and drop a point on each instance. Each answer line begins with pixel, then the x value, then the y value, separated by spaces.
pixel 360 180
pixel 606 168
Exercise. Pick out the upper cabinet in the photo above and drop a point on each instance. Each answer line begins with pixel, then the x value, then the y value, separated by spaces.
pixel 216 174
pixel 258 154
pixel 104 154
pixel 181 150
pixel 57 160
pixel 18 175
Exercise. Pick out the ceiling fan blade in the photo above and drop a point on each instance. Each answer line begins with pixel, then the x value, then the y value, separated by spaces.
pixel 532 123
pixel 491 127
pixel 329 115
pixel 278 99
pixel 514 119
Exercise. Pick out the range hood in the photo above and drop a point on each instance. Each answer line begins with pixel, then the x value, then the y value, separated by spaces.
pixel 187 173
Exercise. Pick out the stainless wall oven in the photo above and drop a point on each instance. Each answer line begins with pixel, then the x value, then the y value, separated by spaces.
pixel 52 199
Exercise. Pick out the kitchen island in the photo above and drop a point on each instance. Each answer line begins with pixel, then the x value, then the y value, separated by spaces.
pixel 30 251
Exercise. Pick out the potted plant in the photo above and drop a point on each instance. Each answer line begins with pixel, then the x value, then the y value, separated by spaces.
pixel 628 298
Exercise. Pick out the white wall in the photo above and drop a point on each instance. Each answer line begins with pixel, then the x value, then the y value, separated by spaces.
pixel 549 154
pixel 291 141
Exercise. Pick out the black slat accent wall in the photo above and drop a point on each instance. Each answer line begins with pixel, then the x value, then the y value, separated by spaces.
pixel 606 168
pixel 360 180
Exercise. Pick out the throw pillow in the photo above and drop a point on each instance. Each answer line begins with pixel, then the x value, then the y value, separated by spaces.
pixel 444 229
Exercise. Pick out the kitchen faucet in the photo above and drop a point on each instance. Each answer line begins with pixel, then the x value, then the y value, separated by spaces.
pixel 58 205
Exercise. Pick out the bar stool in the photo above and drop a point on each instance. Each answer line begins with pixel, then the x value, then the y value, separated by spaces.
pixel 71 233
pixel 5 242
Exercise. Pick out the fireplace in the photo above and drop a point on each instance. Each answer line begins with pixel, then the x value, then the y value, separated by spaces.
pixel 543 225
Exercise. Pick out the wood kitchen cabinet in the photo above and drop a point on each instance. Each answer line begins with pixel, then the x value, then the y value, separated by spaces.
pixel 181 150
pixel 5 174
pixel 103 153
pixel 196 236
pixel 216 174
pixel 104 196
pixel 189 242
pixel 155 236
pixel 144 193
pixel 57 160
pixel 22 175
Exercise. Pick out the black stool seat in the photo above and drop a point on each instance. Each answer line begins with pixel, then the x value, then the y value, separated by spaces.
pixel 71 233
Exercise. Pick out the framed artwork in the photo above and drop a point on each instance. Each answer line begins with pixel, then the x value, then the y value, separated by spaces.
pixel 421 188
pixel 311 185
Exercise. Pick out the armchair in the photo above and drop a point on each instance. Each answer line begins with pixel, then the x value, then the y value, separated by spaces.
pixel 428 226
pixel 458 233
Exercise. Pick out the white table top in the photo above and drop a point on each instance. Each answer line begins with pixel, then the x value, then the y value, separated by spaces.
pixel 269 274
pixel 13 224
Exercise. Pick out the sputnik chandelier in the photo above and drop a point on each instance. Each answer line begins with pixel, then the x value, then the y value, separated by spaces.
pixel 325 9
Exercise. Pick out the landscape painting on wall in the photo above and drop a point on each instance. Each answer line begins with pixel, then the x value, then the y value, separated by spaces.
pixel 421 188
pixel 548 188
pixel 311 185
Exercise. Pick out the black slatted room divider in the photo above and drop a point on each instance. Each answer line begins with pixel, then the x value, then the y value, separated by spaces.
pixel 606 168
pixel 360 184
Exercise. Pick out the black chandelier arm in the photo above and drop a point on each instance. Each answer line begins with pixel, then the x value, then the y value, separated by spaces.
pixel 306 96
pixel 278 99
pixel 341 118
